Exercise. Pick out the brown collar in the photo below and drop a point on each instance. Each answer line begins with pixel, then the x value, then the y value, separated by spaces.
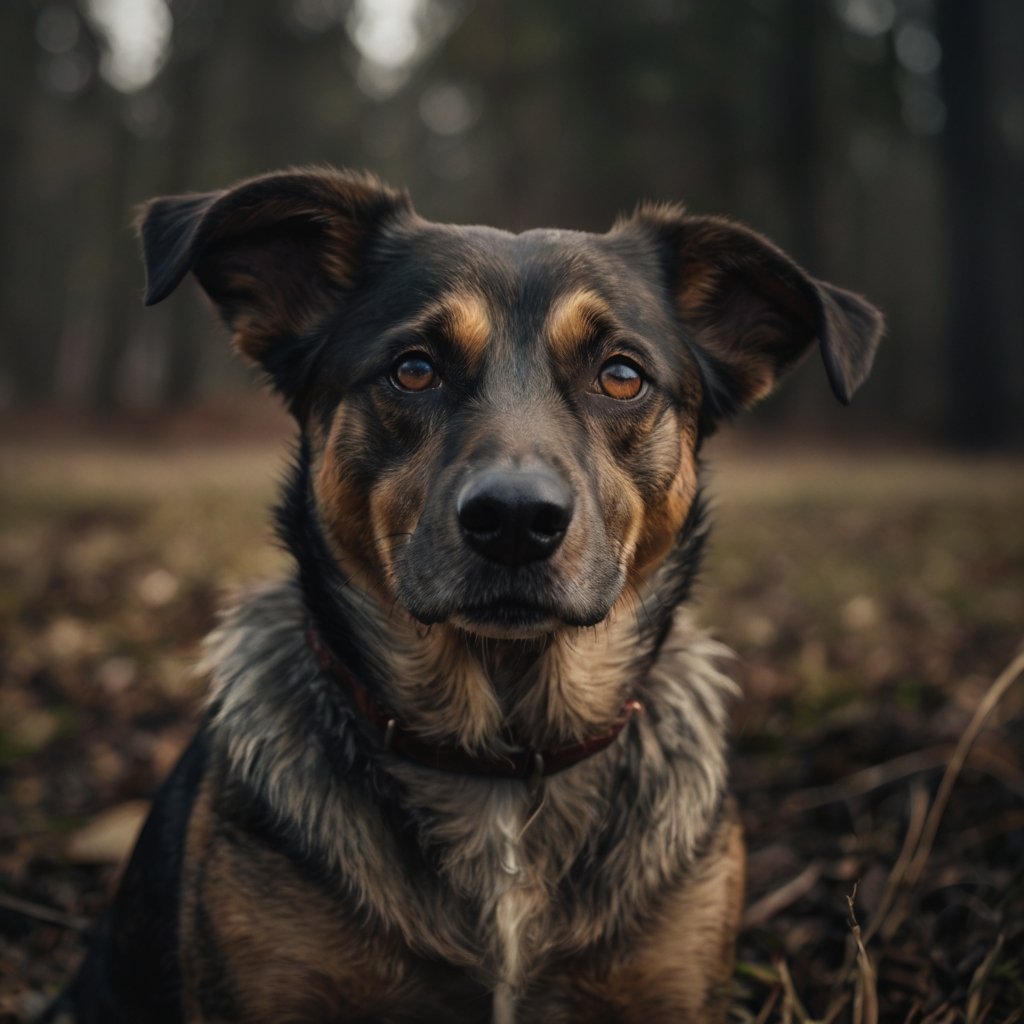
pixel 524 763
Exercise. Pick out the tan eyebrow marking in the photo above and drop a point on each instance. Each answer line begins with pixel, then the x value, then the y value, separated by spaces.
pixel 462 317
pixel 467 318
pixel 574 317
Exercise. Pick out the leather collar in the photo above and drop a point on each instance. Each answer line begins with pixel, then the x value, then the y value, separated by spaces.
pixel 524 763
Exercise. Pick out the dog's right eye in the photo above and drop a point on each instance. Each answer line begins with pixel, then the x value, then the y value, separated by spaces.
pixel 414 372
pixel 620 379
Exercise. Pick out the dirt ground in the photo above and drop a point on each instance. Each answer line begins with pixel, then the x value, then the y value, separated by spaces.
pixel 872 600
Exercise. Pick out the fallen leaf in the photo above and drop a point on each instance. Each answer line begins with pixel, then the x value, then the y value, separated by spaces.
pixel 110 836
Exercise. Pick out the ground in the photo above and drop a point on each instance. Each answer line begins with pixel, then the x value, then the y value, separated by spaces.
pixel 872 599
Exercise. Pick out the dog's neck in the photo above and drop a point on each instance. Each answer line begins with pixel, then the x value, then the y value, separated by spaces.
pixel 489 696
pixel 506 663
pixel 518 762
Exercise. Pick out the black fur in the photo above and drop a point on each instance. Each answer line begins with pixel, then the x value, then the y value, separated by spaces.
pixel 131 974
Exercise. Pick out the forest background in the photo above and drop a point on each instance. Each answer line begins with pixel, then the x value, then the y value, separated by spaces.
pixel 880 142
pixel 867 563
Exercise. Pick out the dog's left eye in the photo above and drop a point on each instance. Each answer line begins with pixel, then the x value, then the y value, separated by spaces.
pixel 620 378
pixel 414 372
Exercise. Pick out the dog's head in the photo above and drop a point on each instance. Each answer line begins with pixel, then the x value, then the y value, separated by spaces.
pixel 503 427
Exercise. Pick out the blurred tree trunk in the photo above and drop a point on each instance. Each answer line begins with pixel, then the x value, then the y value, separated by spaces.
pixel 19 86
pixel 117 252
pixel 799 131
pixel 795 80
pixel 978 409
pixel 183 86
pixel 1008 67
pixel 187 86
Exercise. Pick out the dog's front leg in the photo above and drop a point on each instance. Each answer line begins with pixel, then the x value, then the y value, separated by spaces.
pixel 681 969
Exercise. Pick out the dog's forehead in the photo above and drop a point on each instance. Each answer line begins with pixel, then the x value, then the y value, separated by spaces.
pixel 523 285
pixel 510 266
pixel 513 250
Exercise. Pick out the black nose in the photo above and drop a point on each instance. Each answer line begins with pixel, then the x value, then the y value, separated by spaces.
pixel 515 516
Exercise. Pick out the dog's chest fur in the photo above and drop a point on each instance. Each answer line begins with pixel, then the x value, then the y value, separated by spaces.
pixel 488 874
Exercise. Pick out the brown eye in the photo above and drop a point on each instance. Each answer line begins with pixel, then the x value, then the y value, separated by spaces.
pixel 619 378
pixel 414 372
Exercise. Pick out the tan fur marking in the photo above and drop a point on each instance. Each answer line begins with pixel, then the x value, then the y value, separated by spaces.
pixel 396 503
pixel 621 504
pixel 573 318
pixel 344 509
pixel 576 689
pixel 663 521
pixel 463 317
pixel 438 686
pixel 470 324
pixel 433 681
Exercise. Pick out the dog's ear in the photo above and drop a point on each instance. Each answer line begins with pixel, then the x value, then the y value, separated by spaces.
pixel 752 312
pixel 273 253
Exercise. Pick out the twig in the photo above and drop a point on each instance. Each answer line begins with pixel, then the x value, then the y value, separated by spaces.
pixel 945 1014
pixel 766 976
pixel 918 808
pixel 865 998
pixel 915 1012
pixel 790 1000
pixel 978 979
pixel 760 913
pixel 766 1010
pixel 864 781
pixel 995 694
pixel 867 779
pixel 835 1007
pixel 40 913
pixel 918 813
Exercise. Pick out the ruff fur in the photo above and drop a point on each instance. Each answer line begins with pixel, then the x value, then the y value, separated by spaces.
pixel 489 874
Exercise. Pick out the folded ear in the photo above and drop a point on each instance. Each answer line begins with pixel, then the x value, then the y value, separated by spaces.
pixel 273 253
pixel 752 313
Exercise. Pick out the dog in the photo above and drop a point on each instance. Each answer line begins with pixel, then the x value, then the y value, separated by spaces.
pixel 469 762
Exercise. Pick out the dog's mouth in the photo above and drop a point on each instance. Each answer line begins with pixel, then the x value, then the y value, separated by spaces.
pixel 511 619
pixel 524 602
pixel 516 618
